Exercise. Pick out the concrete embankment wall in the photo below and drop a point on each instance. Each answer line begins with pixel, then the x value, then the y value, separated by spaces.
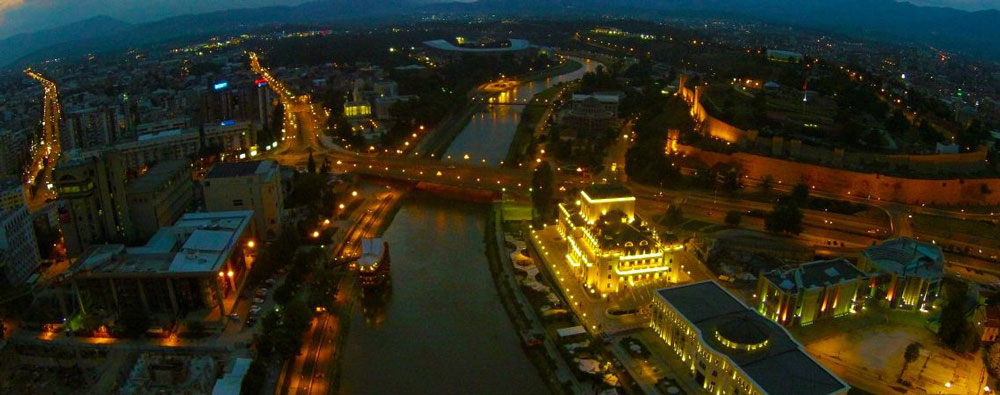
pixel 458 193
pixel 954 191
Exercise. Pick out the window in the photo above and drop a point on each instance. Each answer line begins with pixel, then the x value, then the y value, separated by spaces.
pixel 238 202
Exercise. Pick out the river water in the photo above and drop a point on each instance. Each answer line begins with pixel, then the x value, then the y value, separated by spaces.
pixel 489 133
pixel 440 327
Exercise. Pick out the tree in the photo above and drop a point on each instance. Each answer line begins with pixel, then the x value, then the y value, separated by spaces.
pixel 993 359
pixel 909 356
pixel 731 181
pixel 311 164
pixel 255 378
pixel 784 218
pixel 733 218
pixel 542 188
pixel 956 331
pixel 674 216
pixel 767 183
pixel 800 194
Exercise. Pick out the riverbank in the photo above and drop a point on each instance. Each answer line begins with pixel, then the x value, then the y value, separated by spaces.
pixel 533 115
pixel 567 67
pixel 546 359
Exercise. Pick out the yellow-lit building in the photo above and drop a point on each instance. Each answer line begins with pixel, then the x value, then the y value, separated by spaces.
pixel 905 273
pixel 610 247
pixel 357 109
pixel 730 349
pixel 812 291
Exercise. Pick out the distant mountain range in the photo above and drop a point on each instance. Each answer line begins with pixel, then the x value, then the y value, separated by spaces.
pixel 974 33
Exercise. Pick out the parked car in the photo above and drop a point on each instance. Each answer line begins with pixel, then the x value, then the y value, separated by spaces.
pixel 258 301
pixel 262 292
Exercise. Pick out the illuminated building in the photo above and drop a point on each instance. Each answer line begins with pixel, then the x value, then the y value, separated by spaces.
pixel 19 256
pixel 197 263
pixel 730 349
pixel 812 291
pixel 373 265
pixel 357 109
pixel 905 273
pixel 610 247
pixel 254 185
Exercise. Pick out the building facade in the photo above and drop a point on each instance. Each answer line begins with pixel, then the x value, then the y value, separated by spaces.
pixel 198 263
pixel 19 256
pixel 93 207
pixel 730 349
pixel 810 292
pixel 160 197
pixel 610 247
pixel 254 185
pixel 905 273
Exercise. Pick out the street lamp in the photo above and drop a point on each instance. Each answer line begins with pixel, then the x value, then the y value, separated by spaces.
pixel 250 244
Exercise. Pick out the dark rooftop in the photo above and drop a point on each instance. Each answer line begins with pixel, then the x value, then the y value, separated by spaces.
pixel 611 231
pixel 233 169
pixel 156 176
pixel 814 274
pixel 780 368
pixel 607 191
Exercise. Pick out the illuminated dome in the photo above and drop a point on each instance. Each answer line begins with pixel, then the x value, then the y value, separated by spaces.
pixel 746 332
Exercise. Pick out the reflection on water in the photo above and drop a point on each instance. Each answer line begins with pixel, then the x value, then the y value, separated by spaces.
pixel 442 329
pixel 488 135
pixel 375 303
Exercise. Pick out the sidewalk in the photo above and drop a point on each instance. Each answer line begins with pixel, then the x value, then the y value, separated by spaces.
pixel 563 372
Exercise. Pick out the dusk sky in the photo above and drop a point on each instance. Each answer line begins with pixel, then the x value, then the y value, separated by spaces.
pixel 20 16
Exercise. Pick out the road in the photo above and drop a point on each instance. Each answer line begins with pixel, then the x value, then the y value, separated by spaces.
pixel 309 372
pixel 38 175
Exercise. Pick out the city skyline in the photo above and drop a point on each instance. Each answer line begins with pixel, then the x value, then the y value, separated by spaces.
pixel 302 200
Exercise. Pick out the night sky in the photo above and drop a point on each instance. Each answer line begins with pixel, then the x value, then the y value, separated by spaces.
pixel 20 16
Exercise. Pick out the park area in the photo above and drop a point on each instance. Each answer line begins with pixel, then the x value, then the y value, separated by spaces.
pixel 868 351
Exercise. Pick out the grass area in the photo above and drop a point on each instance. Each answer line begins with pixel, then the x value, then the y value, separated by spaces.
pixel 950 227
pixel 568 67
pixel 530 116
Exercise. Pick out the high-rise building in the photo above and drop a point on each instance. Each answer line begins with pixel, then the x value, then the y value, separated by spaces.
pixel 19 256
pixel 92 201
pixel 90 128
pixel 15 152
pixel 160 197
pixel 254 185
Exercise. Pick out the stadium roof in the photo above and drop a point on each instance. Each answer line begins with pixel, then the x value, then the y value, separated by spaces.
pixel 515 45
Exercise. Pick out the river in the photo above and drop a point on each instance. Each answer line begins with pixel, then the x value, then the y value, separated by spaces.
pixel 489 133
pixel 440 328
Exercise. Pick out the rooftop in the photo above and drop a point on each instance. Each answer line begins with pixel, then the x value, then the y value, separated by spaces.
pixel 196 243
pixel 814 274
pixel 780 367
pixel 607 191
pixel 157 176
pixel 372 251
pixel 906 256
pixel 238 169
pixel 444 45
